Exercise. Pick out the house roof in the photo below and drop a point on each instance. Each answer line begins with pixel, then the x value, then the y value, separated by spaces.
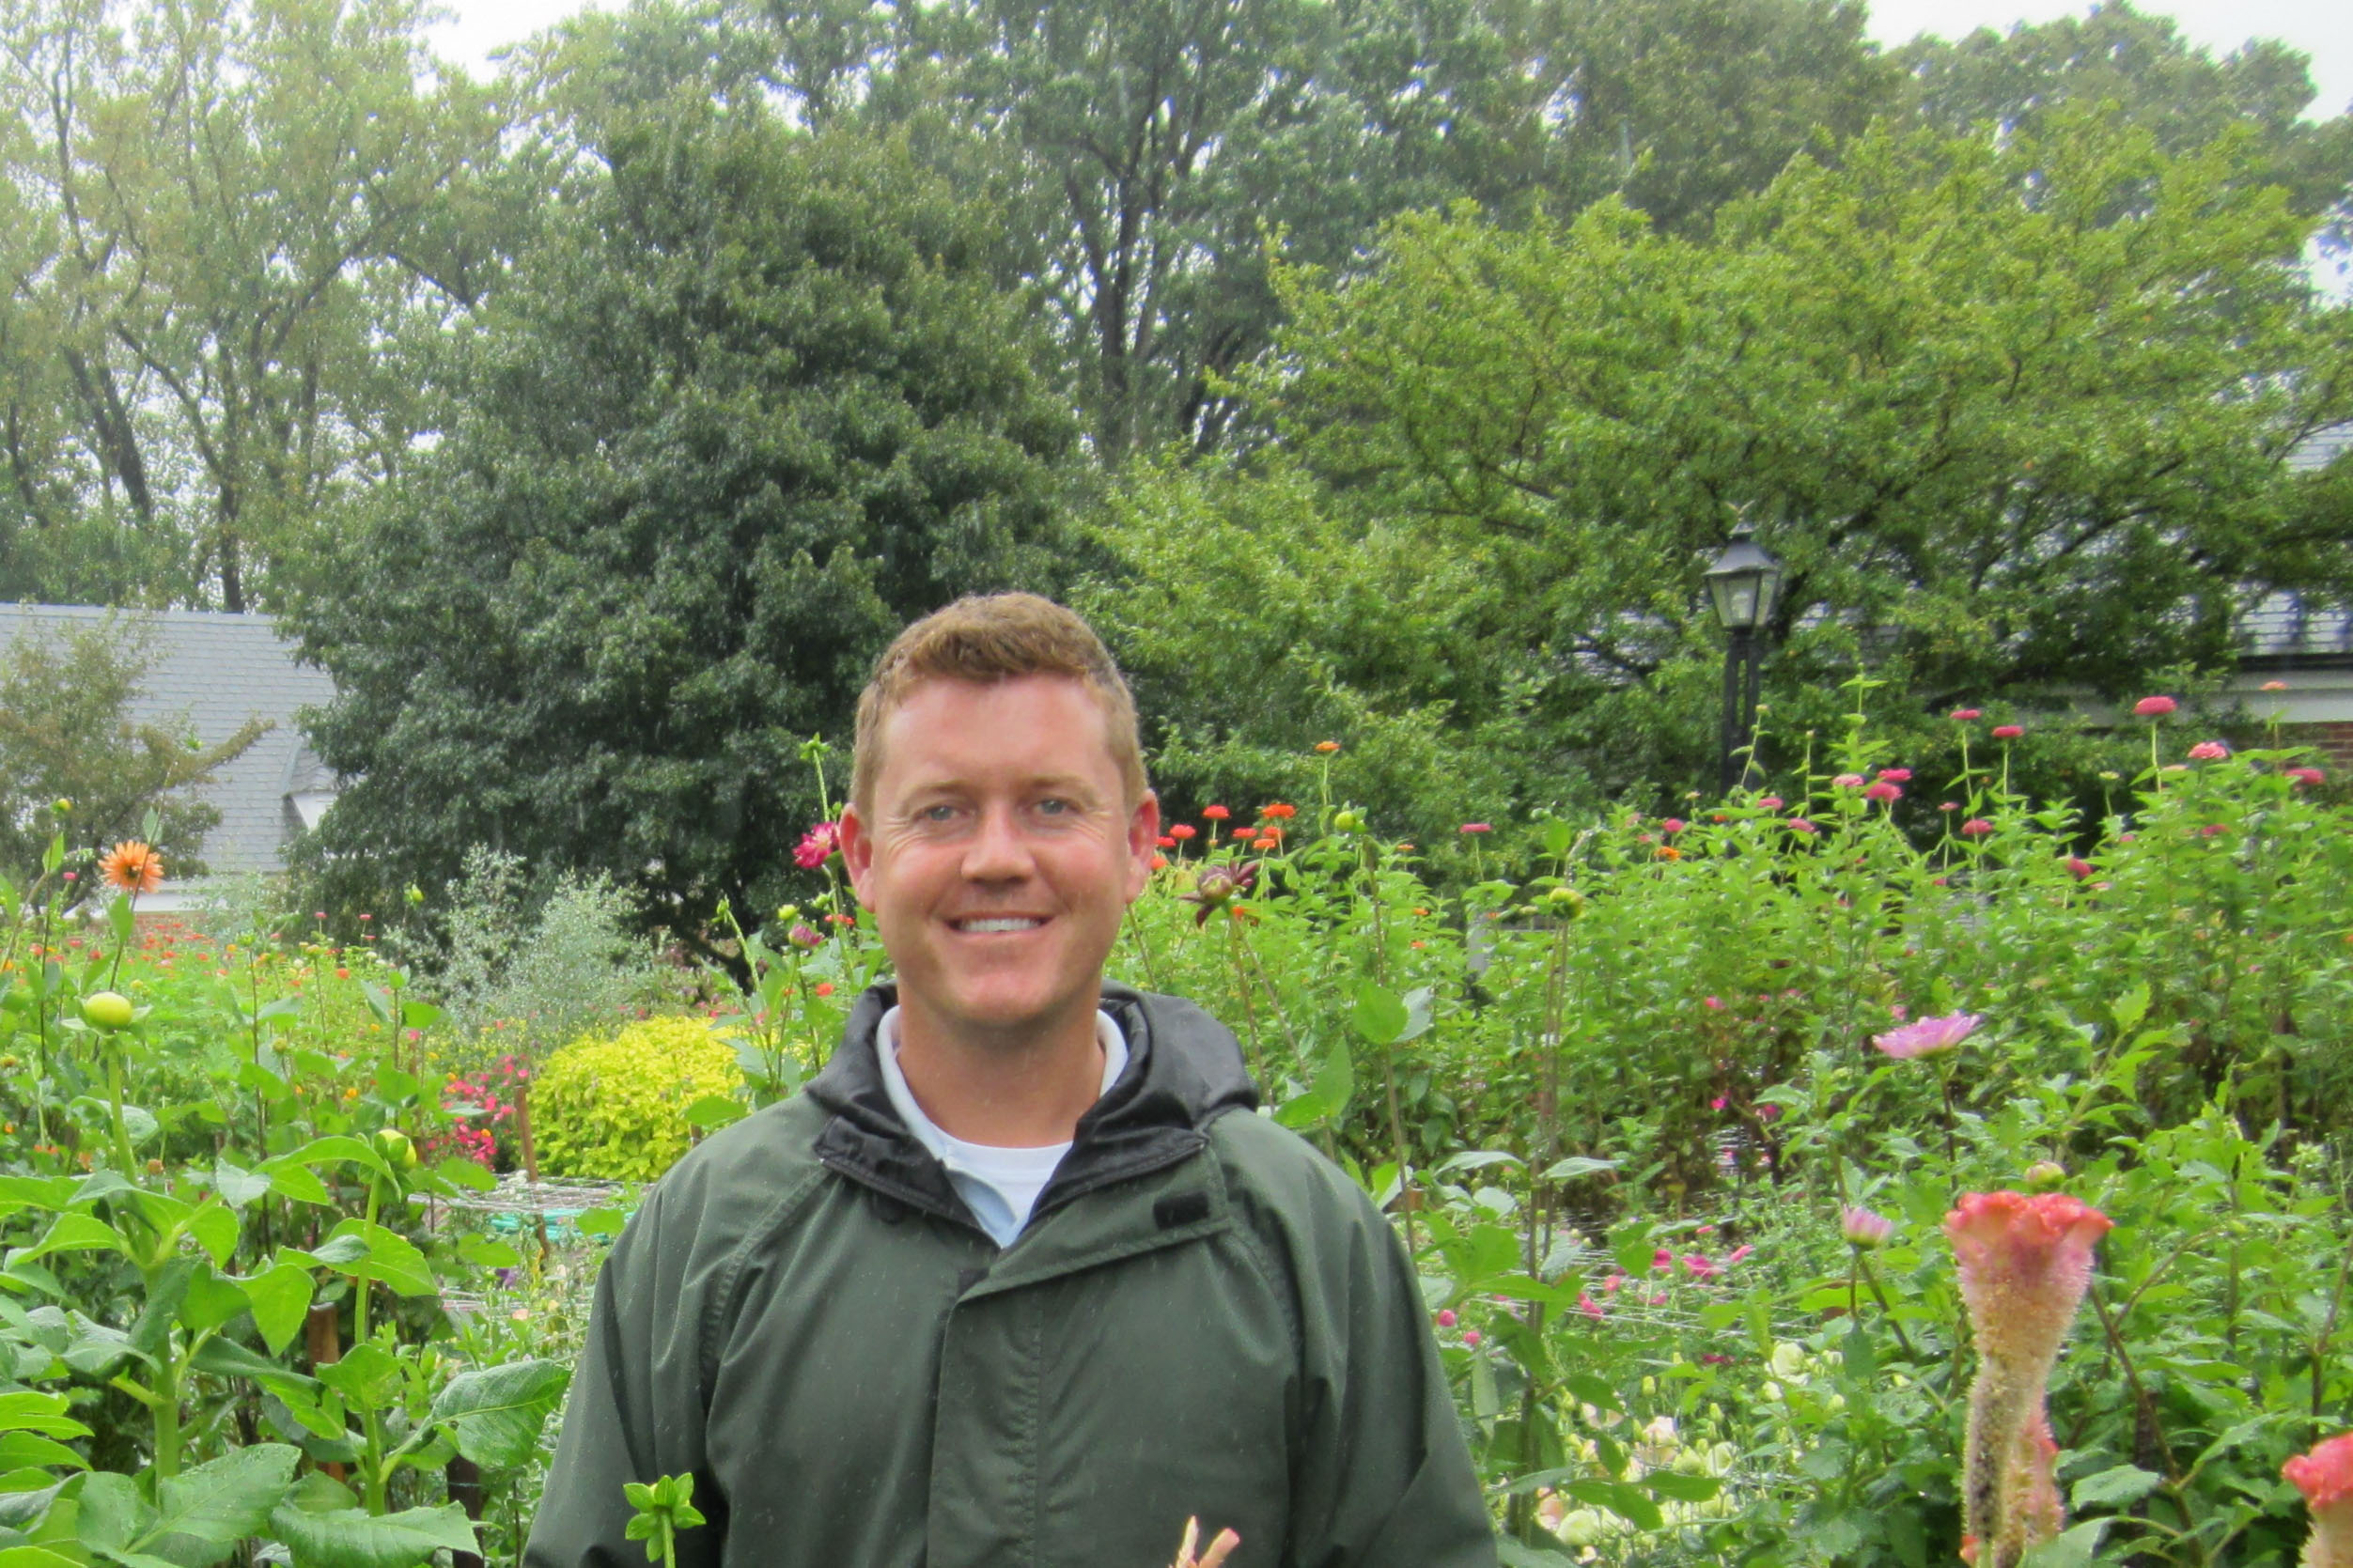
pixel 213 672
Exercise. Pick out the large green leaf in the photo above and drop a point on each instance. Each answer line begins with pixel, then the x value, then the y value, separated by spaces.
pixel 227 1359
pixel 392 1259
pixel 280 1299
pixel 368 1376
pixel 354 1538
pixel 496 1412
pixel 72 1233
pixel 202 1513
pixel 1378 1014
pixel 26 1411
pixel 18 1450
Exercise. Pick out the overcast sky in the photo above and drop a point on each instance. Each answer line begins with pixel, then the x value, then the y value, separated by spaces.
pixel 2322 28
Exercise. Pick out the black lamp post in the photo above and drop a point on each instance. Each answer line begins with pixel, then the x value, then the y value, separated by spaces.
pixel 1744 582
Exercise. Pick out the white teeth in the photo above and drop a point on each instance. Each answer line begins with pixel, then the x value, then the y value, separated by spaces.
pixel 1022 925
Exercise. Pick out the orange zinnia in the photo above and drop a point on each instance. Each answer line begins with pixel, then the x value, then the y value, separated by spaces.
pixel 132 866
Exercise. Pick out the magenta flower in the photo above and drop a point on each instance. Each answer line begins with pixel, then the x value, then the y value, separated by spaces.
pixel 1976 826
pixel 1967 715
pixel 2306 775
pixel 2155 708
pixel 1672 825
pixel 2008 732
pixel 1699 1265
pixel 1472 1337
pixel 1928 1036
pixel 1476 828
pixel 1896 775
pixel 2208 750
pixel 1737 1254
pixel 1848 781
pixel 2025 1262
pixel 2325 1476
pixel 1714 1004
pixel 1587 1305
pixel 1884 793
pixel 805 936
pixel 1768 803
pixel 2078 867
pixel 816 845
pixel 1445 1317
pixel 1862 1228
pixel 1799 825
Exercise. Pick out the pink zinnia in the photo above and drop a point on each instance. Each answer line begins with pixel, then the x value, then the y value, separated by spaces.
pixel 816 845
pixel 2306 775
pixel 2208 750
pixel 1768 803
pixel 1799 825
pixel 1848 781
pixel 805 936
pixel 1672 825
pixel 2155 708
pixel 1477 828
pixel 2325 1476
pixel 1967 715
pixel 1587 1305
pixel 1976 826
pixel 2078 867
pixel 1737 1254
pixel 2008 732
pixel 2025 1262
pixel 1862 1228
pixel 1928 1036
pixel 1884 792
pixel 1700 1266
pixel 1896 775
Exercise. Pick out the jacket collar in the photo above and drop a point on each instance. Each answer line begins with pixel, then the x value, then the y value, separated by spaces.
pixel 1184 1070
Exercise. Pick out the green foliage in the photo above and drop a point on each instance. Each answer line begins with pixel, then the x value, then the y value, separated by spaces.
pixel 616 1108
pixel 2007 442
pixel 753 401
pixel 67 734
pixel 663 1509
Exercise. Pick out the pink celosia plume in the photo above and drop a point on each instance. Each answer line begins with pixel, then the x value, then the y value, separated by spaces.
pixel 2325 1476
pixel 2025 1262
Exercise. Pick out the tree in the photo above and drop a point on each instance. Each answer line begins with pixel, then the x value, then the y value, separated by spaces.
pixel 67 734
pixel 753 400
pixel 2010 444
pixel 228 206
pixel 2136 64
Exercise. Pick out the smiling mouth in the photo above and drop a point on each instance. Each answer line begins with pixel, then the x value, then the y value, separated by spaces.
pixel 992 924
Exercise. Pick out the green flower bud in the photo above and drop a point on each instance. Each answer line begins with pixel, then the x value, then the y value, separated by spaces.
pixel 398 1151
pixel 107 1010
pixel 1347 821
pixel 2045 1175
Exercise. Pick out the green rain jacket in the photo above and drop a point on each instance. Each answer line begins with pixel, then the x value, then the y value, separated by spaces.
pixel 1204 1317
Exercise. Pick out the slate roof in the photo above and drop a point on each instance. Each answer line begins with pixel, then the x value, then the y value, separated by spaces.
pixel 215 671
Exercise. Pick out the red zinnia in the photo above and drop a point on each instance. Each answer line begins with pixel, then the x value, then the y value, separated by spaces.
pixel 2155 708
pixel 1182 830
pixel 1967 715
pixel 2008 732
pixel 1215 813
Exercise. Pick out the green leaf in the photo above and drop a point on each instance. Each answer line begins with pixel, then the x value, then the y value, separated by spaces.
pixel 391 1259
pixel 497 1412
pixel 72 1233
pixel 122 920
pixel 367 1377
pixel 2131 1008
pixel 1335 1080
pixel 36 1557
pixel 459 1172
pixel 2072 1548
pixel 378 1002
pixel 714 1111
pixel 1579 1165
pixel 484 1253
pixel 1681 1487
pixel 227 1359
pixel 2114 1488
pixel 1377 1014
pixel 354 1538
pixel 280 1299
pixel 201 1513
pixel 26 1411
pixel 1417 1014
pixel 21 1448
pixel 600 1222
pixel 238 1188
pixel 214 1227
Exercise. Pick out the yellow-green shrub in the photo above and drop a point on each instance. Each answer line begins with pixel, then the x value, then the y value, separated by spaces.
pixel 615 1107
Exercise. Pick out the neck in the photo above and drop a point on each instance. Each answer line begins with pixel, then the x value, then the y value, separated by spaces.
pixel 1003 1094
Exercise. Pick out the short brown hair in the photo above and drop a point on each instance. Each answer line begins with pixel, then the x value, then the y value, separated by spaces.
pixel 985 638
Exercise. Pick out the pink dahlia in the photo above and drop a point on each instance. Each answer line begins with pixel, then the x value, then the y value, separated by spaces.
pixel 816 845
pixel 1928 1036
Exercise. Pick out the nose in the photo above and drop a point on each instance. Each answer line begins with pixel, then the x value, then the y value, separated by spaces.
pixel 997 853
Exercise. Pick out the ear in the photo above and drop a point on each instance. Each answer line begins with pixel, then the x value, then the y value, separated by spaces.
pixel 1144 833
pixel 857 853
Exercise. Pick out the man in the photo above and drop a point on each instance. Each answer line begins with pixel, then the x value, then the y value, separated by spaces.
pixel 1021 1280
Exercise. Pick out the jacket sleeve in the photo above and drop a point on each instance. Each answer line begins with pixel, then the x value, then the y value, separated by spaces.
pixel 636 1409
pixel 1383 1478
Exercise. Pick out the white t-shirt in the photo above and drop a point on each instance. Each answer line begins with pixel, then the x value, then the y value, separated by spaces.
pixel 999 1185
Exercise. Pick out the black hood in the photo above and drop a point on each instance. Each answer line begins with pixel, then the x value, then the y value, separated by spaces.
pixel 1184 1071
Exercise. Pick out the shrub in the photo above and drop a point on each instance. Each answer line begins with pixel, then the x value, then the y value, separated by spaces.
pixel 615 1107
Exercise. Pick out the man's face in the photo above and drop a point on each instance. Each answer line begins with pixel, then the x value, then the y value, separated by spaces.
pixel 998 856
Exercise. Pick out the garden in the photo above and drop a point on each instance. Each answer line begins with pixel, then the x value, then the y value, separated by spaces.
pixel 1865 1168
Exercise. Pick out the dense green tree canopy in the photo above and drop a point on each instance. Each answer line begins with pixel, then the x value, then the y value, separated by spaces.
pixel 755 401
pixel 2007 444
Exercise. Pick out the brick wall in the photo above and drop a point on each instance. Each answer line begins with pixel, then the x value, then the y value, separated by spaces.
pixel 2336 739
